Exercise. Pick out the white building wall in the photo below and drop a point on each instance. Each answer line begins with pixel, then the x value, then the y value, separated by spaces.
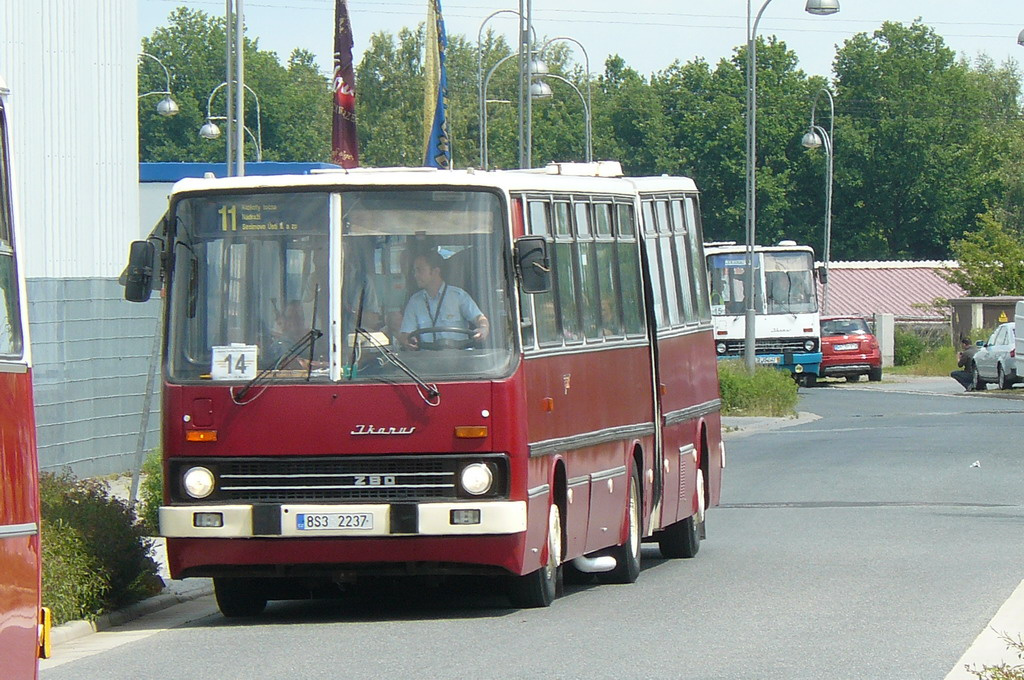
pixel 71 68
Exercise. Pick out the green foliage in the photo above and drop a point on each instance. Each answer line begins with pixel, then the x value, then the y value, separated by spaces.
pixel 73 585
pixel 151 492
pixel 931 361
pixel 768 392
pixel 923 141
pixel 907 347
pixel 1003 671
pixel 991 259
pixel 112 547
pixel 294 115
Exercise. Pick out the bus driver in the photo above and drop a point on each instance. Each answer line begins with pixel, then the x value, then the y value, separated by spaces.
pixel 439 305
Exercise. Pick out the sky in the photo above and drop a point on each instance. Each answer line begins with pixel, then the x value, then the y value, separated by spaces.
pixel 648 34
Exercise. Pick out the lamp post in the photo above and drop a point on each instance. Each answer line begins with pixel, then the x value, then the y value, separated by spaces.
pixel 538 90
pixel 481 86
pixel 166 106
pixel 587 108
pixel 209 130
pixel 1020 38
pixel 817 7
pixel 588 153
pixel 815 137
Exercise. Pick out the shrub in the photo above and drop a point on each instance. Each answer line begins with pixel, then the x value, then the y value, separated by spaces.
pixel 114 544
pixel 768 392
pixel 73 585
pixel 151 493
pixel 907 348
pixel 1003 671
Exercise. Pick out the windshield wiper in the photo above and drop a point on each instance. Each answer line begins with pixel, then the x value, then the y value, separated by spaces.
pixel 428 392
pixel 263 377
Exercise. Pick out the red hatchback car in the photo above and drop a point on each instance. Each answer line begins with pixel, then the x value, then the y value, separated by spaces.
pixel 849 349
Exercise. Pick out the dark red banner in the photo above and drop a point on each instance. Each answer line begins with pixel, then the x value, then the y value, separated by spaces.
pixel 344 144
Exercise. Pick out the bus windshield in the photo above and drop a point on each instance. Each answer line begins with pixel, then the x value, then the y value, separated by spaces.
pixel 783 283
pixel 265 271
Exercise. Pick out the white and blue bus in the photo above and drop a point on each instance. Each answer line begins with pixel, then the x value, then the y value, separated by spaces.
pixel 787 325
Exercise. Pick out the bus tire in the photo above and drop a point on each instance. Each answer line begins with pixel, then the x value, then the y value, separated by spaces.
pixel 627 555
pixel 239 597
pixel 540 588
pixel 682 539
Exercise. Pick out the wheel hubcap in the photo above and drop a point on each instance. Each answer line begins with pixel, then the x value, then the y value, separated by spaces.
pixel 701 504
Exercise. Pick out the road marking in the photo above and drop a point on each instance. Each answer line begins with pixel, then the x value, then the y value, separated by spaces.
pixel 863 504
pixel 989 648
pixel 132 631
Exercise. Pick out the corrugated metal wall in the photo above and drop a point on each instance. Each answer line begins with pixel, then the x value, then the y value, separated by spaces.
pixel 71 67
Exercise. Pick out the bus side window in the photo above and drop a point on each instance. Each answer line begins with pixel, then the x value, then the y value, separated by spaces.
pixel 565 279
pixel 589 297
pixel 609 291
pixel 651 244
pixel 687 275
pixel 670 272
pixel 546 322
pixel 629 270
pixel 700 280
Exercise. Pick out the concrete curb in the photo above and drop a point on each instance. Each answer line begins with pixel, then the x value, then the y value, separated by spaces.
pixel 72 630
pixel 735 427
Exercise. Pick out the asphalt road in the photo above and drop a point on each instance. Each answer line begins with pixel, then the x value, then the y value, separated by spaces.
pixel 862 544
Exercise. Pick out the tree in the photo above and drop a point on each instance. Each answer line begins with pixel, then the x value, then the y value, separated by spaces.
pixel 914 161
pixel 295 104
pixel 991 259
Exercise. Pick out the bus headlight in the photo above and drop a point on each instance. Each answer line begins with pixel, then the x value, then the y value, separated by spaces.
pixel 476 478
pixel 720 348
pixel 809 345
pixel 198 482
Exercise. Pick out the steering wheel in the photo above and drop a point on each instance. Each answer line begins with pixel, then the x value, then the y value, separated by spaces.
pixel 444 343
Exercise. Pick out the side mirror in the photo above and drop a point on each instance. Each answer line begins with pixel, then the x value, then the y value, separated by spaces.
pixel 822 274
pixel 531 255
pixel 138 284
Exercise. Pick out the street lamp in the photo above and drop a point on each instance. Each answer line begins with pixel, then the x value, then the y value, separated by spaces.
pixel 587 152
pixel 815 137
pixel 538 90
pixel 167 106
pixel 482 82
pixel 587 108
pixel 1020 38
pixel 817 7
pixel 210 130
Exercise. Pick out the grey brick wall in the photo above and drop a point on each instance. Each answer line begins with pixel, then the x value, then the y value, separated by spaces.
pixel 91 352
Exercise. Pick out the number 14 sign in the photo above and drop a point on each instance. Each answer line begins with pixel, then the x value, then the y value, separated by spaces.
pixel 234 362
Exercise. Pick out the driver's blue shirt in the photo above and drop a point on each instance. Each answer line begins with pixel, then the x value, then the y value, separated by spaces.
pixel 457 310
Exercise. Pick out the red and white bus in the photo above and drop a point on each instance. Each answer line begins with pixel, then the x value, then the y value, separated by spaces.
pixel 24 626
pixel 565 413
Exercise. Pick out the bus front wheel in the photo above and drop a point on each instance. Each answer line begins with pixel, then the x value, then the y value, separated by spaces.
pixel 239 597
pixel 540 588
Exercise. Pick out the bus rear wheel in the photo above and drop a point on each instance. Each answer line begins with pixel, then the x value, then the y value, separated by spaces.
pixel 627 555
pixel 239 597
pixel 540 588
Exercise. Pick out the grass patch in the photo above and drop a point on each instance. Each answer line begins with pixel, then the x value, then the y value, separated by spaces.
pixel 934 361
pixel 95 555
pixel 766 392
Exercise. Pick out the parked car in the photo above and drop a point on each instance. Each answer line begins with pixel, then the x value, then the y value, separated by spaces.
pixel 849 349
pixel 995 361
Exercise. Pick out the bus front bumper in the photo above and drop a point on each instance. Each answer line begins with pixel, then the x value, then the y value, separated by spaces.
pixel 806 362
pixel 465 518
